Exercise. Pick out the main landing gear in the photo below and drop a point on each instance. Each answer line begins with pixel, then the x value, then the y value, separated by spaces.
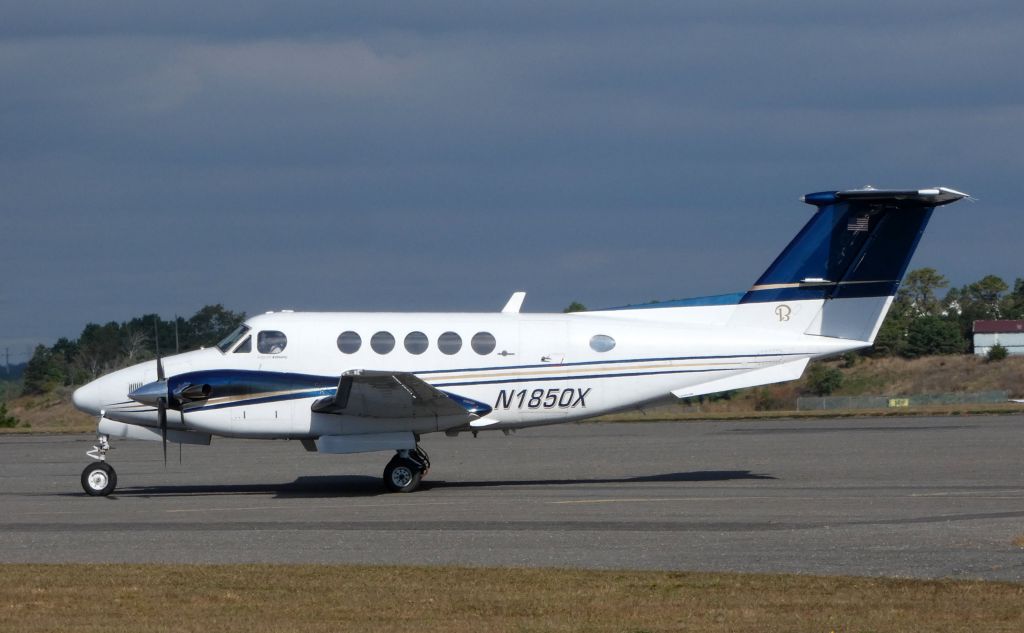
pixel 99 478
pixel 405 470
pixel 402 474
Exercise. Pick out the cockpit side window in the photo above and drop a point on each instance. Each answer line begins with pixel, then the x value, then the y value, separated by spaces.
pixel 271 342
pixel 245 346
pixel 232 338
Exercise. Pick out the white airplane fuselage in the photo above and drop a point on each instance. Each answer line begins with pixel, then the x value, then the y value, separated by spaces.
pixel 541 370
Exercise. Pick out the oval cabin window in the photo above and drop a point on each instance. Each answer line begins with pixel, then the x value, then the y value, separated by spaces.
pixel 483 343
pixel 416 342
pixel 349 342
pixel 382 342
pixel 602 343
pixel 449 343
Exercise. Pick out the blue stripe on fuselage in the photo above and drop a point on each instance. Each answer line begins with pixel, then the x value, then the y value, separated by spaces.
pixel 253 383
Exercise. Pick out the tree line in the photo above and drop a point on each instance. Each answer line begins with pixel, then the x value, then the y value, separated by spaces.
pixel 100 349
pixel 929 317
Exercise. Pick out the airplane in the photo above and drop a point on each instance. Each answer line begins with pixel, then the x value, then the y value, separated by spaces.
pixel 352 382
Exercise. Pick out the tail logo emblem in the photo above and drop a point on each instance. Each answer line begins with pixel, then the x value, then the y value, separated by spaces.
pixel 783 311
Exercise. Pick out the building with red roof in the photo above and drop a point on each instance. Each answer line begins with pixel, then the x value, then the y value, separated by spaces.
pixel 1009 334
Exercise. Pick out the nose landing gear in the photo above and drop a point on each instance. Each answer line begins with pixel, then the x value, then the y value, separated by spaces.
pixel 405 470
pixel 99 478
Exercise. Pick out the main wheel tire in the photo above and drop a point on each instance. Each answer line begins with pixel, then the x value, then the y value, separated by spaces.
pixel 99 479
pixel 402 475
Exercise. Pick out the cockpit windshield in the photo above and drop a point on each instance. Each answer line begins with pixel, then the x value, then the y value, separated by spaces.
pixel 232 338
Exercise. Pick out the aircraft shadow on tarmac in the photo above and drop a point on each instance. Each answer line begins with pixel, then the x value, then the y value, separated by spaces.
pixel 365 486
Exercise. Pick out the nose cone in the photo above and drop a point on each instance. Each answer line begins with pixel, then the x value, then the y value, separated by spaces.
pixel 87 398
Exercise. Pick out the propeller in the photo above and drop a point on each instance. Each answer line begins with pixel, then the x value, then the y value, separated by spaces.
pixel 161 414
pixel 161 402
pixel 158 395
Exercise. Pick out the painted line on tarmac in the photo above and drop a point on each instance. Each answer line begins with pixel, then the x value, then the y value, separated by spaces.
pixel 655 500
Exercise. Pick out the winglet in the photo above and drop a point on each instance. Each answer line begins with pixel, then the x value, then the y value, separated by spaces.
pixel 515 303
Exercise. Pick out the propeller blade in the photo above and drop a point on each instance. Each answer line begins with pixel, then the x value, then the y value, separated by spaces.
pixel 156 339
pixel 181 411
pixel 161 413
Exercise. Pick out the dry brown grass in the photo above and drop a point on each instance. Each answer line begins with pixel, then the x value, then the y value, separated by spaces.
pixel 52 413
pixel 870 376
pixel 256 598
pixel 1019 541
pixel 938 374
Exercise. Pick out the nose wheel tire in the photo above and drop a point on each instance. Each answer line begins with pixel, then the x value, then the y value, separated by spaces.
pixel 402 475
pixel 99 479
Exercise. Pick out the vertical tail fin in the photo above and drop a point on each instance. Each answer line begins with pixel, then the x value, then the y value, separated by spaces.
pixel 840 272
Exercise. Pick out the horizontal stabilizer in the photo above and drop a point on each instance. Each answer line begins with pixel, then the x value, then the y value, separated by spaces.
pixel 928 197
pixel 764 376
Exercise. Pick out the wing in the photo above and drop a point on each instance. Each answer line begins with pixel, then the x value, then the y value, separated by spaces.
pixel 388 394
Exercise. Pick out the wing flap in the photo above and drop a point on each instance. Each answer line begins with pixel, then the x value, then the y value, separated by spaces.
pixel 394 395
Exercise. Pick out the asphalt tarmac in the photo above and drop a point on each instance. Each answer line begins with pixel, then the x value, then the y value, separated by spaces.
pixel 914 497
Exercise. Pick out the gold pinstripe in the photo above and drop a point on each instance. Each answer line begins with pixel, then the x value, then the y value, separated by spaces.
pixel 590 370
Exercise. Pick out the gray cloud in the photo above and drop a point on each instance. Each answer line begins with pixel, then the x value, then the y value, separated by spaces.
pixel 441 155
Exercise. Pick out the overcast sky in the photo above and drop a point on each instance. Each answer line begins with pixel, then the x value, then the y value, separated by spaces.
pixel 157 157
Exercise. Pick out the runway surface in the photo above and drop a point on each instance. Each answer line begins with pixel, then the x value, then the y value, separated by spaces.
pixel 920 497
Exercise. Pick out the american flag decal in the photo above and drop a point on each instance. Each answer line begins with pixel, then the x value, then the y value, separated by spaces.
pixel 857 224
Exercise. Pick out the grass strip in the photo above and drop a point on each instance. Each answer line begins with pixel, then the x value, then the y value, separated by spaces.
pixel 255 598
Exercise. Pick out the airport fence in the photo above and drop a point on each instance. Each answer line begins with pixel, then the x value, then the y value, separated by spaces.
pixel 827 403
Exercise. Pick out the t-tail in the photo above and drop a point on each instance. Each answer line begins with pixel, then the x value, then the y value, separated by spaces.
pixel 838 276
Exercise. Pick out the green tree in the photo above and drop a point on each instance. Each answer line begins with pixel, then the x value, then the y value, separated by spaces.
pixel 980 300
pixel 928 335
pixel 99 349
pixel 997 352
pixel 43 372
pixel 823 379
pixel 1012 305
pixel 136 338
pixel 575 306
pixel 916 298
pixel 7 421
pixel 209 325
pixel 892 336
pixel 65 353
pixel 918 293
pixel 104 348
